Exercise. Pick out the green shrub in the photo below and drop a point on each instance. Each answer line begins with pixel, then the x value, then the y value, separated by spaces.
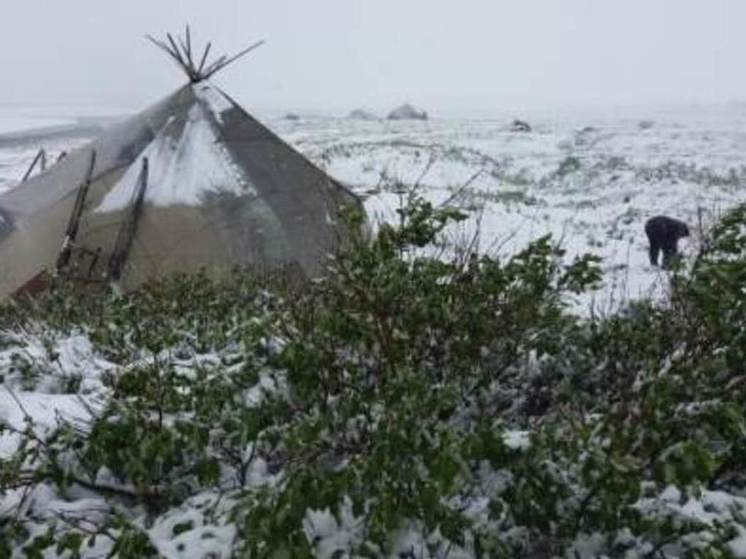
pixel 389 392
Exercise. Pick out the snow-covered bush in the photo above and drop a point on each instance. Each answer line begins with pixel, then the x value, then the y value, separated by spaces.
pixel 402 406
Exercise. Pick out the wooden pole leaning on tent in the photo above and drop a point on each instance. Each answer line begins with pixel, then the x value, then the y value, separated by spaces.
pixel 41 156
pixel 129 226
pixel 181 52
pixel 72 226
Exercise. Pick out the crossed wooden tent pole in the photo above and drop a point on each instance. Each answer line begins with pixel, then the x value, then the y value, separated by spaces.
pixel 181 52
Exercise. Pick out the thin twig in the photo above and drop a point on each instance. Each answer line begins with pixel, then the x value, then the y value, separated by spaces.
pixel 425 171
pixel 462 188
pixel 26 414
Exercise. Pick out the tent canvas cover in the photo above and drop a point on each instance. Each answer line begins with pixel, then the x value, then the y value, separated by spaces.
pixel 194 182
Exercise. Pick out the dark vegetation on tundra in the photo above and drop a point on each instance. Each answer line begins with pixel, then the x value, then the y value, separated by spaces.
pixel 396 381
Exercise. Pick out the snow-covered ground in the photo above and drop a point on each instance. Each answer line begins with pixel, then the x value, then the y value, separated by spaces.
pixel 19 118
pixel 203 526
pixel 17 124
pixel 590 177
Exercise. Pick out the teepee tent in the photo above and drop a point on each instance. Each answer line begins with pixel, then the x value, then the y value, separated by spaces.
pixel 193 182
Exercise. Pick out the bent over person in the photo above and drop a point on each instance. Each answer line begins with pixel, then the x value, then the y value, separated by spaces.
pixel 663 234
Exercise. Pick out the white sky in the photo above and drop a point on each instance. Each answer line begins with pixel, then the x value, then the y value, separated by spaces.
pixel 341 54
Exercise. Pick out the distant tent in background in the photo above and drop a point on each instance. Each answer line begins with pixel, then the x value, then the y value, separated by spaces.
pixel 361 114
pixel 407 112
pixel 519 125
pixel 192 182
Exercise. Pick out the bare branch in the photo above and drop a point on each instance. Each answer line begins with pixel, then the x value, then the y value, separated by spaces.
pixel 26 415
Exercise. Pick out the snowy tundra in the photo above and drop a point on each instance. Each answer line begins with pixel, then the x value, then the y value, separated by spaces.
pixel 589 177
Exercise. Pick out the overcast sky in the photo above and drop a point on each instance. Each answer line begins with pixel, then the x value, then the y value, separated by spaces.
pixel 341 54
